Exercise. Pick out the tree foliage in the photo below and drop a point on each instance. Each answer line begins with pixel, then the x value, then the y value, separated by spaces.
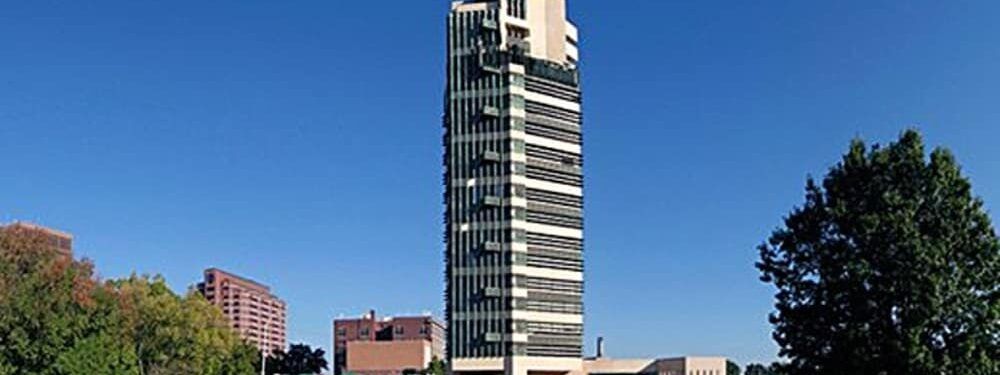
pixel 759 369
pixel 99 355
pixel 892 266
pixel 56 318
pixel 48 303
pixel 436 367
pixel 299 359
pixel 732 368
pixel 178 335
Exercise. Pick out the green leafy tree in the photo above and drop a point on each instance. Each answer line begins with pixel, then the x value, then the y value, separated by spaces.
pixel 99 355
pixel 244 360
pixel 759 369
pixel 106 351
pixel 179 335
pixel 732 368
pixel 892 266
pixel 49 307
pixel 56 318
pixel 436 367
pixel 299 359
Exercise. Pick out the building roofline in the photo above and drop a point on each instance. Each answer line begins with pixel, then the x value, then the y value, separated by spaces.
pixel 473 4
pixel 241 278
pixel 390 318
pixel 33 226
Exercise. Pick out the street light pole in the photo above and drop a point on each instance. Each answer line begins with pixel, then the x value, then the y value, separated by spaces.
pixel 263 352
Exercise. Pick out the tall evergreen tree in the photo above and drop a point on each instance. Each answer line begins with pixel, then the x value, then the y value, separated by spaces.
pixel 892 266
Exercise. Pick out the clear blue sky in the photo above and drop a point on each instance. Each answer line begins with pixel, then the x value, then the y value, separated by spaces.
pixel 298 143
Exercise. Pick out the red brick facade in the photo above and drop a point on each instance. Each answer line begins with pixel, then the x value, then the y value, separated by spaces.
pixel 356 341
pixel 59 241
pixel 253 311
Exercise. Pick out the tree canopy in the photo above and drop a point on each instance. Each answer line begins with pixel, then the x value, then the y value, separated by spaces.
pixel 732 368
pixel 759 369
pixel 53 314
pixel 57 318
pixel 436 367
pixel 891 266
pixel 299 359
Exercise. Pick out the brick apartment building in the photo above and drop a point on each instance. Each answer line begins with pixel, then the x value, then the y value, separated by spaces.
pixel 253 311
pixel 59 241
pixel 389 346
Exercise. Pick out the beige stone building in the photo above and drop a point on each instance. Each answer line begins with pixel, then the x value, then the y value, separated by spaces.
pixel 668 366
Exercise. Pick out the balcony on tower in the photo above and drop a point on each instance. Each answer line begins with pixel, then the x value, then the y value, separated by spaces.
pixel 489 68
pixel 490 201
pixel 490 24
pixel 488 157
pixel 489 247
pixel 519 48
pixel 490 111
pixel 489 59
pixel 492 293
pixel 492 337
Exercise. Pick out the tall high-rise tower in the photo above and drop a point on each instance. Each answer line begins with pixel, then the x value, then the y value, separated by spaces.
pixel 513 189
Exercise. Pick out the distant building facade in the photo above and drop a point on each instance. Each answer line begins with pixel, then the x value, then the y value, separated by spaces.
pixel 667 366
pixel 389 346
pixel 253 311
pixel 59 241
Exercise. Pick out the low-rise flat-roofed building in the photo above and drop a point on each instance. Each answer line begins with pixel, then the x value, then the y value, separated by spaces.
pixel 388 357
pixel 666 366
pixel 388 346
